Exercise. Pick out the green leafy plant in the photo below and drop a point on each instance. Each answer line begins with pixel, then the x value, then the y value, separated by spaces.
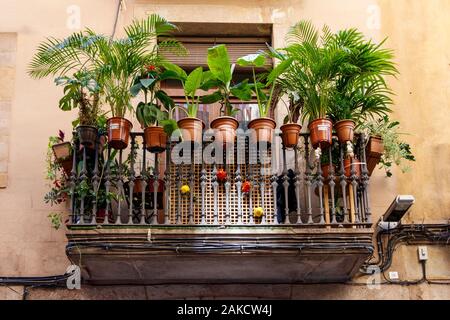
pixel 81 91
pixel 396 151
pixel 315 65
pixel 265 101
pixel 55 220
pixel 361 92
pixel 157 105
pixel 220 76
pixel 114 62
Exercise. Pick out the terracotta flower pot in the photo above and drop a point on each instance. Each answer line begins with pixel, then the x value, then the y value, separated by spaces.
pixel 138 185
pixel 263 129
pixel 62 151
pixel 225 129
pixel 290 133
pixel 321 132
pixel 326 170
pixel 155 139
pixel 151 187
pixel 67 166
pixel 192 129
pixel 348 167
pixel 87 135
pixel 374 152
pixel 119 132
pixel 345 130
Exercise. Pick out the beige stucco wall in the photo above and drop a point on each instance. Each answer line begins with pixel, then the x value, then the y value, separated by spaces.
pixel 417 30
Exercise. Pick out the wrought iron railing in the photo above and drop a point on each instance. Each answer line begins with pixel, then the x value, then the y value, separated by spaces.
pixel 298 187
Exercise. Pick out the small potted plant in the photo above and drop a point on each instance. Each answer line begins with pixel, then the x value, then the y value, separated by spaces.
pixel 82 91
pixel 290 130
pixel 125 58
pixel 386 146
pixel 264 126
pixel 191 127
pixel 220 77
pixel 61 149
pixel 154 111
pixel 361 92
pixel 311 76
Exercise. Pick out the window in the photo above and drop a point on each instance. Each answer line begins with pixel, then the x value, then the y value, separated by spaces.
pixel 240 38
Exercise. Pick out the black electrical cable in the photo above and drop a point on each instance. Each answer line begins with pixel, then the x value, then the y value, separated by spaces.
pixel 119 5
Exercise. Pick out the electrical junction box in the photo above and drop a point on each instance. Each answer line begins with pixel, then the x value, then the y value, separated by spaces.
pixel 423 253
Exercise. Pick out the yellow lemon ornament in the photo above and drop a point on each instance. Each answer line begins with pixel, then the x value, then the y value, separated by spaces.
pixel 258 212
pixel 185 189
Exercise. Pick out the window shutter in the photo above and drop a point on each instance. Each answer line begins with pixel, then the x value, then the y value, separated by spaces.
pixel 197 48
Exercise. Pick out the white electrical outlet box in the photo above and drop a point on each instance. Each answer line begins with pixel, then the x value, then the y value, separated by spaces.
pixel 393 275
pixel 423 253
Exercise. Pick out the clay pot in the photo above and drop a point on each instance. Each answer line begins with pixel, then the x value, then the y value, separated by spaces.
pixel 348 167
pixel 87 135
pixel 192 130
pixel 138 186
pixel 67 166
pixel 345 130
pixel 62 151
pixel 263 129
pixel 321 132
pixel 225 129
pixel 326 170
pixel 155 139
pixel 151 187
pixel 374 152
pixel 290 133
pixel 118 132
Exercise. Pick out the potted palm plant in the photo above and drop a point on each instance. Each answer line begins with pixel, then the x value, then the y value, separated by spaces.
pixel 115 63
pixel 125 58
pixel 311 76
pixel 220 77
pixel 361 93
pixel 82 83
pixel 264 126
pixel 191 127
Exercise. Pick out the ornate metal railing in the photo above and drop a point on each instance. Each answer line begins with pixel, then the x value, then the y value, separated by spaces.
pixel 298 187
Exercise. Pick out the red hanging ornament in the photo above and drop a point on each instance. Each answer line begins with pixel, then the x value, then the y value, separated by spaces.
pixel 246 187
pixel 221 175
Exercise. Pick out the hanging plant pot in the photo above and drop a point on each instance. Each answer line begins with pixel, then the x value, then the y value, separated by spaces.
pixel 225 129
pixel 290 133
pixel 67 166
pixel 151 187
pixel 374 152
pixel 263 129
pixel 87 135
pixel 155 139
pixel 345 130
pixel 138 185
pixel 119 132
pixel 192 130
pixel 326 172
pixel 62 151
pixel 321 133
pixel 348 167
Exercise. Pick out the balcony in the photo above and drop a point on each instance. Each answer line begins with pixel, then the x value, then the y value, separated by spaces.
pixel 263 215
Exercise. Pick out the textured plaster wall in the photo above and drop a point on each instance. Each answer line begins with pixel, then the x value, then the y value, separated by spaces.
pixel 417 31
